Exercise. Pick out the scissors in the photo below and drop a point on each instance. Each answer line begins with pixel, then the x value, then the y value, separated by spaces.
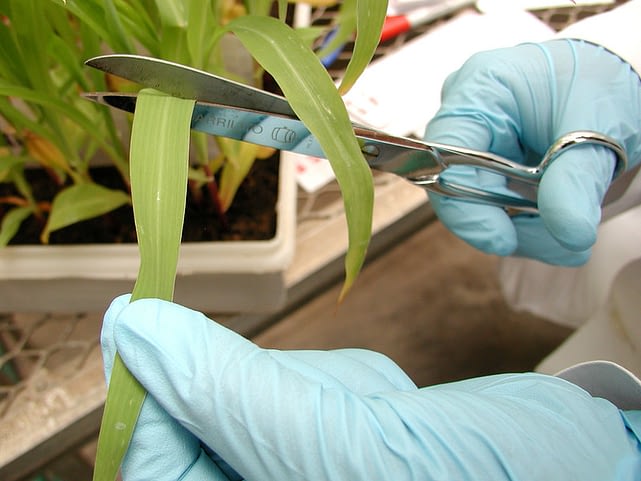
pixel 230 109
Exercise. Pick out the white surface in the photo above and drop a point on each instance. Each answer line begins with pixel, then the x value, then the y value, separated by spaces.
pixel 398 7
pixel 312 173
pixel 608 380
pixel 494 5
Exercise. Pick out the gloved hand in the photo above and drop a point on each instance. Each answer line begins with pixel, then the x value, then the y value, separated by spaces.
pixel 347 414
pixel 516 102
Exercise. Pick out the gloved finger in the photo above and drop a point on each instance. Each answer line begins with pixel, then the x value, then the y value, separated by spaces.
pixel 484 227
pixel 160 449
pixel 571 193
pixel 358 370
pixel 163 450
pixel 536 242
pixel 267 417
pixel 458 123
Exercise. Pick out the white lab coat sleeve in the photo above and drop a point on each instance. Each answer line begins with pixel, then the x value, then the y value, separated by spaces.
pixel 594 295
pixel 617 30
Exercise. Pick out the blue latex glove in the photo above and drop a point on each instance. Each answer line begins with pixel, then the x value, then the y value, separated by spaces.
pixel 347 414
pixel 516 102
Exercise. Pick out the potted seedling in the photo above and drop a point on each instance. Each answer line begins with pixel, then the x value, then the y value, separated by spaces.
pixel 45 122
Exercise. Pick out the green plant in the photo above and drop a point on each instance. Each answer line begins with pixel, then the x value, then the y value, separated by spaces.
pixel 43 120
pixel 316 101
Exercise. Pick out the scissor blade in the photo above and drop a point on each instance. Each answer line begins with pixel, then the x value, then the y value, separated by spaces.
pixel 282 132
pixel 186 82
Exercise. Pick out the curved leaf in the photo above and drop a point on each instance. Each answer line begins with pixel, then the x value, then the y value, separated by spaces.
pixel 313 96
pixel 81 202
pixel 159 161
pixel 370 15
pixel 11 222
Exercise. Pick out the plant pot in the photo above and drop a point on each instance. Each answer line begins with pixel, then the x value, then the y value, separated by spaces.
pixel 221 276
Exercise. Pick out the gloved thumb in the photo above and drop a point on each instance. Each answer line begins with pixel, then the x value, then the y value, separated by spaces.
pixel 571 192
pixel 178 455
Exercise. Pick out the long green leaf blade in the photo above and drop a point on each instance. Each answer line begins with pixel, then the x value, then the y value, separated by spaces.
pixel 313 96
pixel 370 15
pixel 159 188
pixel 159 164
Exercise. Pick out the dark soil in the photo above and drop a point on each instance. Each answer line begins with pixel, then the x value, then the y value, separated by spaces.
pixel 252 215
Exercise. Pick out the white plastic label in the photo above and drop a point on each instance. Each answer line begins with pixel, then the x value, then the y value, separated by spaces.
pixel 498 5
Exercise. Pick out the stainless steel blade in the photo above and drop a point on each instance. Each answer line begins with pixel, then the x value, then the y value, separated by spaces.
pixel 186 82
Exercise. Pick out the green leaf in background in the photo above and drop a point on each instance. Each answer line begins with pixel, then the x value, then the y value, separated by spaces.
pixel 282 10
pixel 113 21
pixel 239 160
pixel 202 24
pixel 370 15
pixel 81 202
pixel 172 12
pixel 159 161
pixel 11 222
pixel 342 32
pixel 313 96
pixel 258 7
pixel 8 163
pixel 102 16
pixel 59 105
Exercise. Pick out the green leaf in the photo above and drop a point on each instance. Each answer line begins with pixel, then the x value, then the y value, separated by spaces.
pixel 239 158
pixel 139 24
pixel 343 28
pixel 172 13
pixel 159 163
pixel 118 35
pixel 8 163
pixel 202 25
pixel 44 99
pixel 309 35
pixel 258 7
pixel 33 33
pixel 370 15
pixel 282 10
pixel 313 96
pixel 11 222
pixel 159 166
pixel 11 60
pixel 93 14
pixel 81 202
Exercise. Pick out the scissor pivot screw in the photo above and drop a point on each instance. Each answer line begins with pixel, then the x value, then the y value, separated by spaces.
pixel 371 150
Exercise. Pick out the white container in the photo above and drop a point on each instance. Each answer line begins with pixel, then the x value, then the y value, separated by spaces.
pixel 220 277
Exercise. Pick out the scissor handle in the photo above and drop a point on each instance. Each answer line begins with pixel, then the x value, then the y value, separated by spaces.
pixel 524 179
